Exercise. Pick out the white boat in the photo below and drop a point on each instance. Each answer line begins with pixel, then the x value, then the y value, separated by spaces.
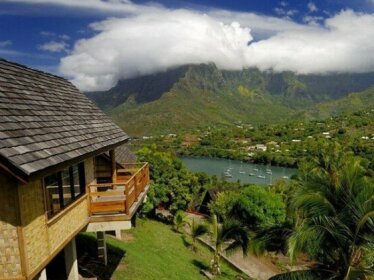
pixel 261 176
pixel 227 173
pixel 251 174
pixel 241 171
pixel 255 169
pixel 285 177
pixel 268 171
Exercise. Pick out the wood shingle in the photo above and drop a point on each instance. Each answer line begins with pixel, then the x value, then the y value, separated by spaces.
pixel 45 120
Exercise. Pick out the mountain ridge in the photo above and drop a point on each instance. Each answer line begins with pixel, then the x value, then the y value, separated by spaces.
pixel 198 95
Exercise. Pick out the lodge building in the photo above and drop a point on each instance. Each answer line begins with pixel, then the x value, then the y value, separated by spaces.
pixel 64 169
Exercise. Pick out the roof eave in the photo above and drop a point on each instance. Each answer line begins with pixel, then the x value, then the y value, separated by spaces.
pixel 24 177
pixel 59 166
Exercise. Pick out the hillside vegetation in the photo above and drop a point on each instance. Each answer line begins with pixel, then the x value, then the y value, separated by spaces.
pixel 200 95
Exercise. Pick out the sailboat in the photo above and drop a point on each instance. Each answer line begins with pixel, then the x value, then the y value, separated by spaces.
pixel 285 176
pixel 227 174
pixel 268 171
pixel 241 171
pixel 230 167
pixel 261 176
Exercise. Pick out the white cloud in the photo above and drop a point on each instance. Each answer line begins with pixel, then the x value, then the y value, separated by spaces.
pixel 116 6
pixel 4 44
pixel 54 46
pixel 312 7
pixel 149 38
pixel 283 3
pixel 285 13
pixel 264 26
pixel 148 43
pixel 64 37
pixel 153 42
pixel 52 35
pixel 344 44
pixel 47 33
pixel 313 20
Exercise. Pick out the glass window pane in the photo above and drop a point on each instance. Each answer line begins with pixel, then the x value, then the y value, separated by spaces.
pixel 52 195
pixel 76 181
pixel 65 176
pixel 82 177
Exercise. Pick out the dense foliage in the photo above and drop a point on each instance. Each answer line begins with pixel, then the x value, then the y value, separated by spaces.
pixel 335 211
pixel 173 186
pixel 326 213
pixel 286 144
pixel 255 206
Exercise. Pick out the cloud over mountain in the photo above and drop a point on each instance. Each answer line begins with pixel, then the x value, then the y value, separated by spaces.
pixel 160 38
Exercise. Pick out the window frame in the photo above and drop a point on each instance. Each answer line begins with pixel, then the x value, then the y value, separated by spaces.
pixel 50 213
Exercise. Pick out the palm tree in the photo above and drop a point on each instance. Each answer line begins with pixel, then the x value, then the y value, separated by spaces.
pixel 227 238
pixel 197 230
pixel 334 208
pixel 180 220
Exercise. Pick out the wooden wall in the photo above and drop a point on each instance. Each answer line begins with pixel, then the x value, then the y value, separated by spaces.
pixel 103 169
pixel 43 238
pixel 10 257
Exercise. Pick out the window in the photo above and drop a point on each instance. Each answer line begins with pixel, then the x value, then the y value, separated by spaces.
pixel 64 187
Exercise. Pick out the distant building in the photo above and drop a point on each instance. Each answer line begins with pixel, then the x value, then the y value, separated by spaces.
pixel 261 147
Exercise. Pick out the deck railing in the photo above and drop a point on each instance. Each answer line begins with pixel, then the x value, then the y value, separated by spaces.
pixel 120 196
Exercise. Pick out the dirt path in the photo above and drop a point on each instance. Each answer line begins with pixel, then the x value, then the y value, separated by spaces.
pixel 254 267
pixel 257 268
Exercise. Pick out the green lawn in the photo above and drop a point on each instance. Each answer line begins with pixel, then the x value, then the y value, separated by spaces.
pixel 153 251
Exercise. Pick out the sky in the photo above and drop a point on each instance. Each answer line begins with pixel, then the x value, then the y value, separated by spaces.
pixel 94 43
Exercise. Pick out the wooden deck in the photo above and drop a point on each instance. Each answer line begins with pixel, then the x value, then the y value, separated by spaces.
pixel 119 200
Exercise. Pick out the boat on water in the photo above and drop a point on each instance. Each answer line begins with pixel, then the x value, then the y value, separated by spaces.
pixel 285 177
pixel 255 169
pixel 241 171
pixel 227 173
pixel 268 171
pixel 251 174
pixel 261 176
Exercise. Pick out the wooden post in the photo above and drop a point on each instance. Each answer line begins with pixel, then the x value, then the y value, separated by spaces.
pixel 71 261
pixel 112 154
pixel 101 247
pixel 127 206
pixel 136 187
pixel 148 178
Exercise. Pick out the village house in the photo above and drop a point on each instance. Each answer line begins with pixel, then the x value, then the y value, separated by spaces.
pixel 261 147
pixel 63 170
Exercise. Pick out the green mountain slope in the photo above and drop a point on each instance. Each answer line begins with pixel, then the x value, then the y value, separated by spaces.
pixel 353 102
pixel 199 95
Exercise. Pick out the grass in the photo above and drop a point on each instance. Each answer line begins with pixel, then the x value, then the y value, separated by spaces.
pixel 153 250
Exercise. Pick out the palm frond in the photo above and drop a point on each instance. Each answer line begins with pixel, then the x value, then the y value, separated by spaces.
pixel 272 239
pixel 198 229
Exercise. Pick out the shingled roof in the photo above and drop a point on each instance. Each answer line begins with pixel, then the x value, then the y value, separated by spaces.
pixel 123 155
pixel 45 121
